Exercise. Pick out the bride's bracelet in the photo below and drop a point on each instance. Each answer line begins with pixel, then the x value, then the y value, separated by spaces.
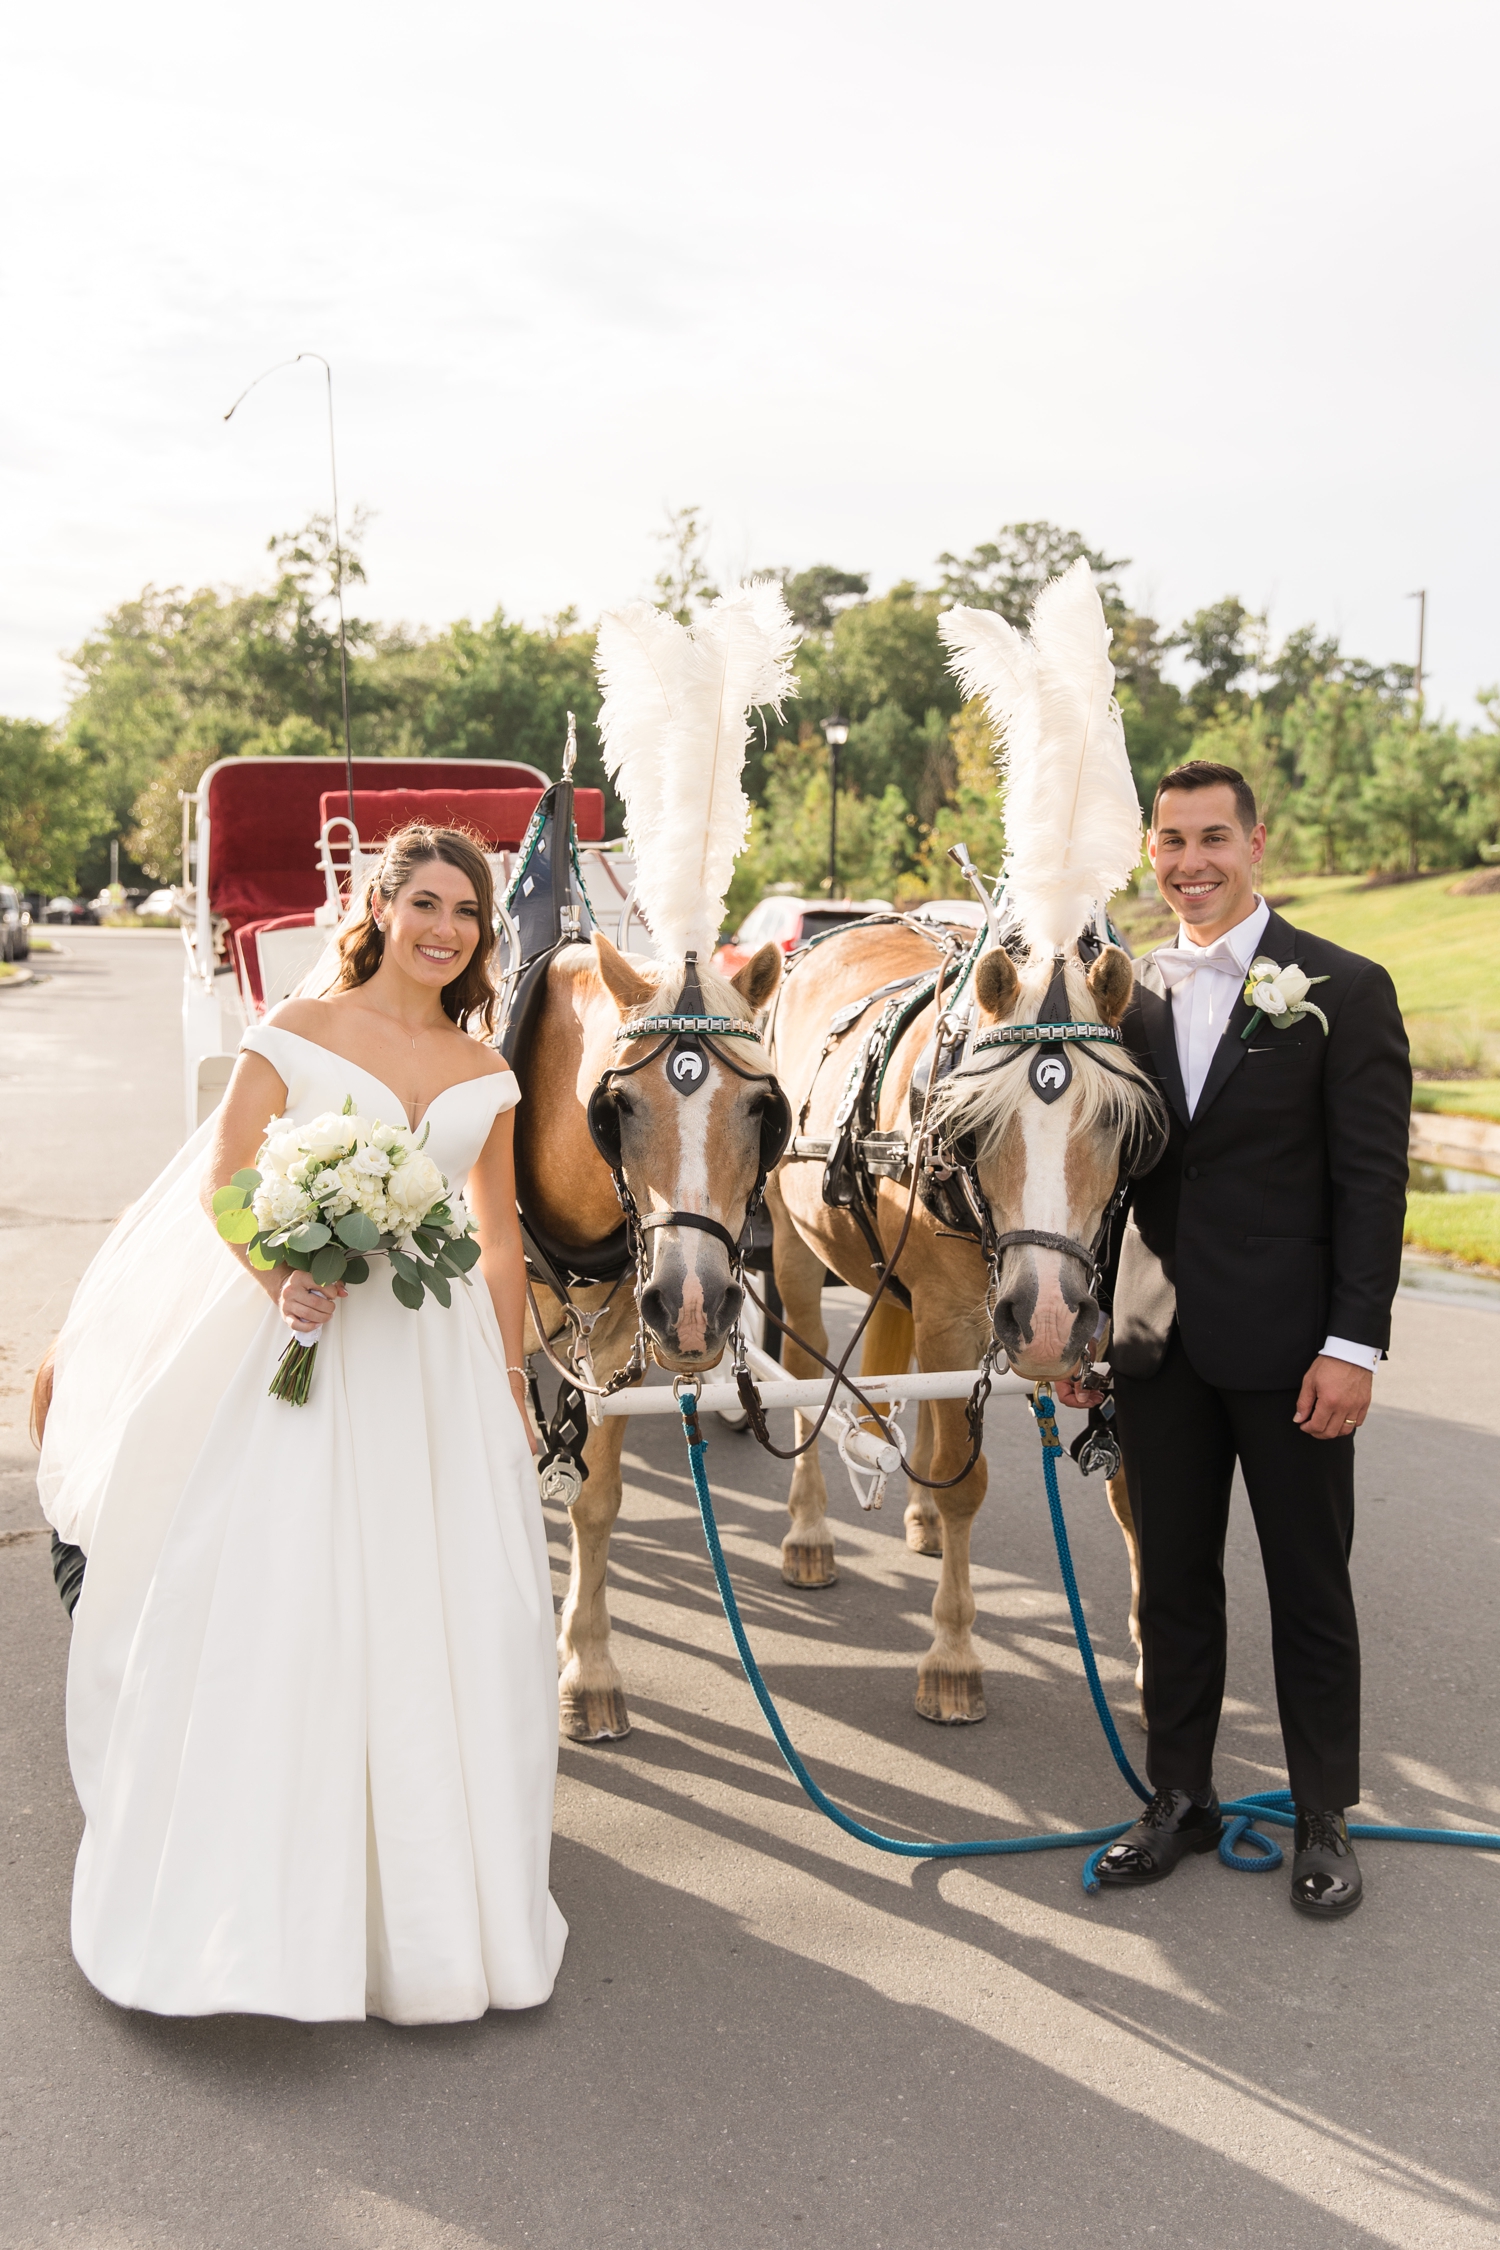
pixel 518 1371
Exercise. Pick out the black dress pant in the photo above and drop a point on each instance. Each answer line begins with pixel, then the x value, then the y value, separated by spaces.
pixel 1181 1438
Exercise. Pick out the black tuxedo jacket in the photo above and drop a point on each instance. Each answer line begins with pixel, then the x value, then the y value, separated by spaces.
pixel 1275 1216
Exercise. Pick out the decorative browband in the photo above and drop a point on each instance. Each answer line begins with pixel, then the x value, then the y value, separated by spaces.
pixel 704 1027
pixel 1039 1034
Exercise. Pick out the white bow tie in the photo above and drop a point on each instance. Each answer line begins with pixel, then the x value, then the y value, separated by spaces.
pixel 1179 962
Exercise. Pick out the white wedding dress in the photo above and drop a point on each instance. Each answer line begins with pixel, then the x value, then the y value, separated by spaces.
pixel 312 1711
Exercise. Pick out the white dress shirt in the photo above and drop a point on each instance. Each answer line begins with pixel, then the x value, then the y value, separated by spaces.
pixel 1203 995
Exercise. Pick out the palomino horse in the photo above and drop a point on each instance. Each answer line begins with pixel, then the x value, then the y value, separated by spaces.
pixel 1042 1167
pixel 696 1155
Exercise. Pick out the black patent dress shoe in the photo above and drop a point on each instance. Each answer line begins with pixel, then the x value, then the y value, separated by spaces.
pixel 1325 1873
pixel 1170 1827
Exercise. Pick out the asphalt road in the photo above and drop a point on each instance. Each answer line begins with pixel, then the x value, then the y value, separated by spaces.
pixel 763 2033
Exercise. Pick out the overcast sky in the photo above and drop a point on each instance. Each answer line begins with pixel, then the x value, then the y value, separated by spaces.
pixel 1215 285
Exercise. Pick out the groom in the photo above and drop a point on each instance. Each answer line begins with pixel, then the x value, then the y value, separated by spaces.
pixel 1252 1301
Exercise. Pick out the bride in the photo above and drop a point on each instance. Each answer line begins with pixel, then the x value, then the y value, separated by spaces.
pixel 311 1697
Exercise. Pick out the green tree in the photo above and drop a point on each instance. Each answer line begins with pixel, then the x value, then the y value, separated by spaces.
pixel 683 585
pixel 1221 643
pixel 1413 795
pixel 1477 777
pixel 789 834
pixel 1328 735
pixel 816 596
pixel 1007 573
pixel 51 808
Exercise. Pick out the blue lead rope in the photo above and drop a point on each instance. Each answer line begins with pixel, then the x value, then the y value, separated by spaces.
pixel 1271 1805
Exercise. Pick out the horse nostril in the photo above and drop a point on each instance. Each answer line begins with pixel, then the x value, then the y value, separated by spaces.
pixel 731 1305
pixel 655 1311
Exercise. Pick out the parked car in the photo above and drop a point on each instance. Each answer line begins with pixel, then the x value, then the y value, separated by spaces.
pixel 75 910
pixel 161 903
pixel 790 922
pixel 15 925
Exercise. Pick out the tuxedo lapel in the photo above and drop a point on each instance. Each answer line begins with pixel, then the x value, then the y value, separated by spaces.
pixel 1279 943
pixel 1156 1020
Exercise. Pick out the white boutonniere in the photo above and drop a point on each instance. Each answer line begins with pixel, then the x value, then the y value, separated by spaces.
pixel 1280 995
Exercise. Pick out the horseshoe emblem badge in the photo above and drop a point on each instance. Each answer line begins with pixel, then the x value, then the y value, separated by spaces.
pixel 1051 1073
pixel 687 1068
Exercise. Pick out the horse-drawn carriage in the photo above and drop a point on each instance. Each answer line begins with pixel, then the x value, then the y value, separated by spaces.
pixel 271 847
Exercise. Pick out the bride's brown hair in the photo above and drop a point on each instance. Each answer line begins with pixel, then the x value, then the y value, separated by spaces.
pixel 472 999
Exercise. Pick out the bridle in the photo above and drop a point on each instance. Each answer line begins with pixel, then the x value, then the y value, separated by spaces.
pixel 690 1032
pixel 1051 1073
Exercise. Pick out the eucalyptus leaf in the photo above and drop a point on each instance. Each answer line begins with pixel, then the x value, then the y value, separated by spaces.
pixel 298 1258
pixel 258 1258
pixel 357 1270
pixel 356 1232
pixel 405 1266
pixel 427 1241
pixel 229 1199
pixel 238 1226
pixel 312 1236
pixel 328 1263
pixel 407 1292
pixel 464 1253
pixel 438 1284
pixel 249 1178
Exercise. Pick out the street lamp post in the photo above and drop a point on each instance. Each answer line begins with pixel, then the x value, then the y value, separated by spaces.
pixel 835 734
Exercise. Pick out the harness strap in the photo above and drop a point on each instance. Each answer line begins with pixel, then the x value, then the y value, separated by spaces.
pixel 651 1219
pixel 1019 1236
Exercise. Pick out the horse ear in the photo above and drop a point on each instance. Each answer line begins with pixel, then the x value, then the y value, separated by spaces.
pixel 758 979
pixel 623 981
pixel 1111 981
pixel 996 984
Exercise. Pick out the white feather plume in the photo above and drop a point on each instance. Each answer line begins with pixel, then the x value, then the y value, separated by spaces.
pixel 675 723
pixel 1072 818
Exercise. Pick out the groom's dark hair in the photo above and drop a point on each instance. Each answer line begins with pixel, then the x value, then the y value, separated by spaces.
pixel 1203 773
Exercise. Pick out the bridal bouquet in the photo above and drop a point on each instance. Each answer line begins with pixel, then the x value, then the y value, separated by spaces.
pixel 327 1197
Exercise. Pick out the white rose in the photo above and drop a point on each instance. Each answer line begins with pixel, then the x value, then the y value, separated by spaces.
pixel 329 1136
pixel 1269 998
pixel 370 1163
pixel 1293 983
pixel 326 1184
pixel 416 1186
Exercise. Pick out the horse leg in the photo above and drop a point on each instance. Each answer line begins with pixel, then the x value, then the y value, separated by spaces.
pixel 807 1549
pixel 591 1697
pixel 887 1350
pixel 1124 1515
pixel 924 1526
pixel 950 1679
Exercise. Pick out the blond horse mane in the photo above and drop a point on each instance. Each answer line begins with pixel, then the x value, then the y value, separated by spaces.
pixel 1113 1096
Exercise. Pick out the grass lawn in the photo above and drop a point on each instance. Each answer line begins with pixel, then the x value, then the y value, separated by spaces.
pixel 1456 1226
pixel 1443 952
pixel 1465 1097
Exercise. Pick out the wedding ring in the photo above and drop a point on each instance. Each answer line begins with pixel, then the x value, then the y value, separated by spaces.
pixel 1349 1422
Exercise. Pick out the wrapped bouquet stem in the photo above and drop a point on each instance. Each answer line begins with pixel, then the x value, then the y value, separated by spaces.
pixel 327 1197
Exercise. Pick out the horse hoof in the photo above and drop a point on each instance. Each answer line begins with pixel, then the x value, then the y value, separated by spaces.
pixel 951 1699
pixel 924 1538
pixel 595 1715
pixel 808 1563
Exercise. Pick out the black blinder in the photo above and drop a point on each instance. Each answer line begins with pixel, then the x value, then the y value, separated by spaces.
pixel 775 1130
pixel 603 1115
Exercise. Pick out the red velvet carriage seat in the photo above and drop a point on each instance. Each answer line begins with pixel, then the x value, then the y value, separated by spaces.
pixel 265 816
pixel 499 816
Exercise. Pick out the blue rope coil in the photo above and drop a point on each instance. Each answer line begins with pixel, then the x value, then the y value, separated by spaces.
pixel 1272 1806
